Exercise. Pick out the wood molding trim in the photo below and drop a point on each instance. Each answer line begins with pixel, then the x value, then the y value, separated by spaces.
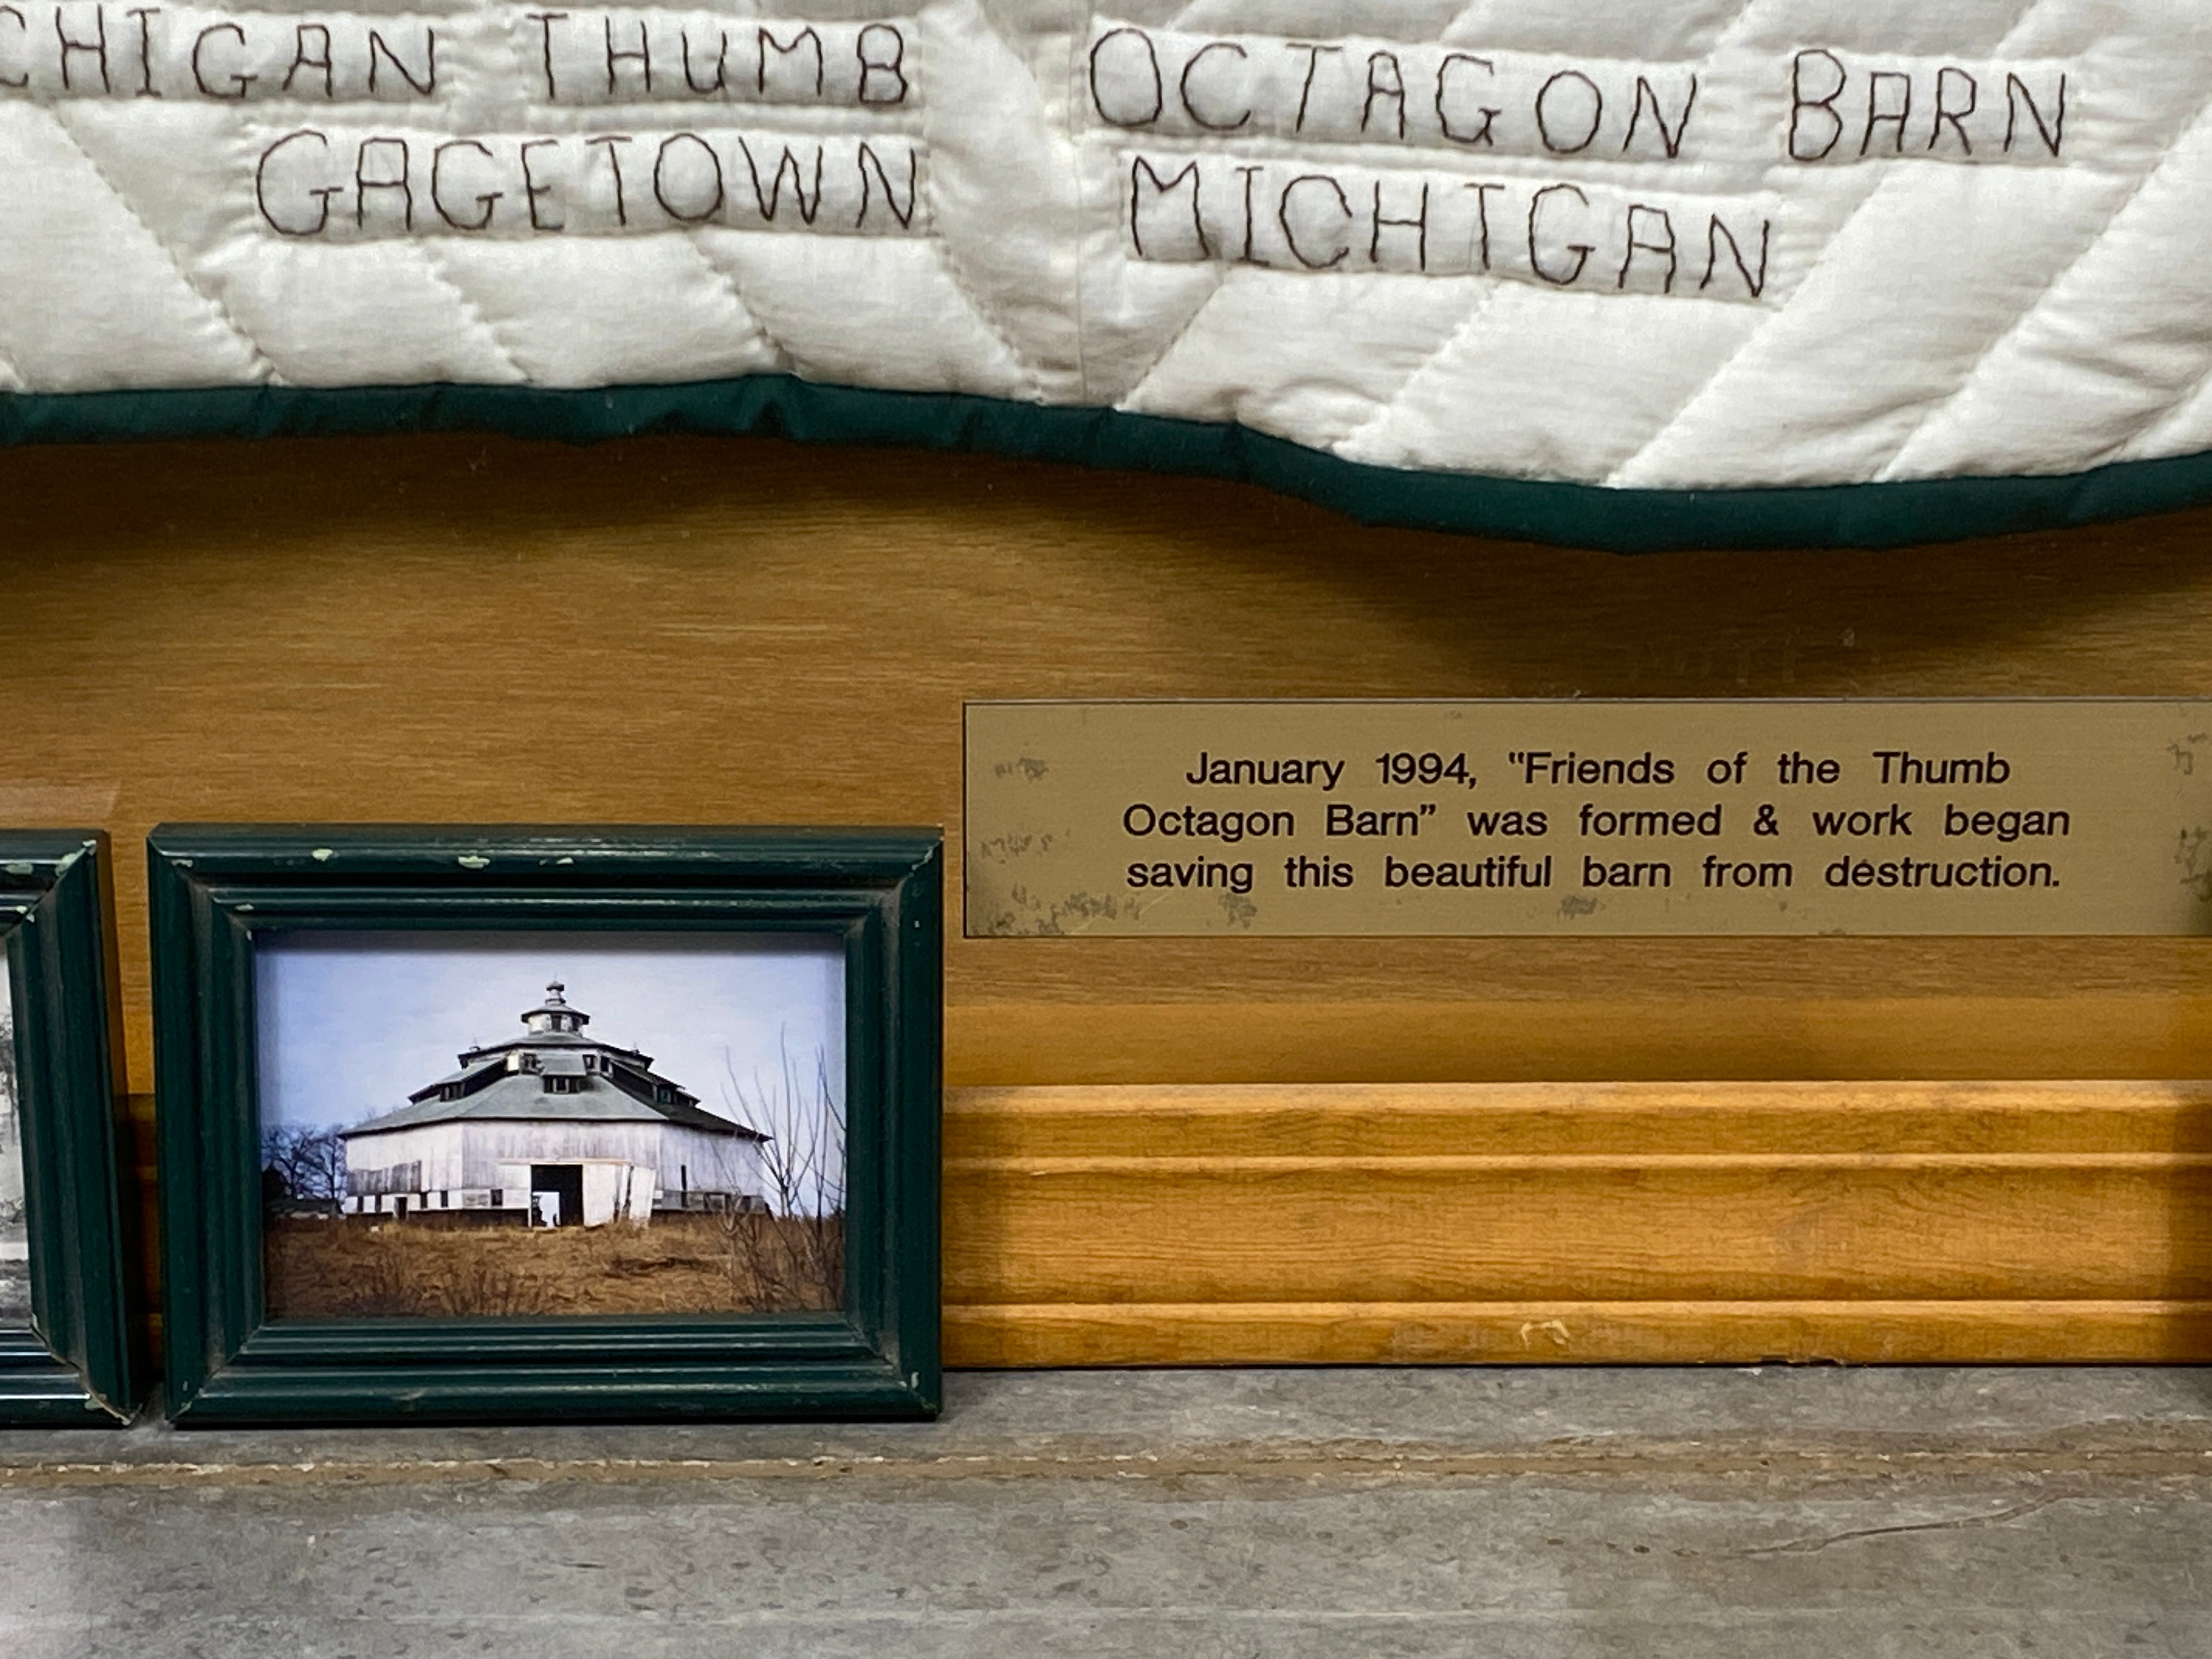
pixel 1729 1222
pixel 2026 1332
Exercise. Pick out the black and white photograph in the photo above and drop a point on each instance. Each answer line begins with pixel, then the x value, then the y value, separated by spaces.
pixel 14 1216
pixel 474 1125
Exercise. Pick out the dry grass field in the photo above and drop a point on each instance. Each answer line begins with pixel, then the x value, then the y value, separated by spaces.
pixel 679 1264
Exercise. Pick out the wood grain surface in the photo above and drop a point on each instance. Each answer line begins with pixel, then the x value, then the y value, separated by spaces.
pixel 746 631
pixel 1545 1222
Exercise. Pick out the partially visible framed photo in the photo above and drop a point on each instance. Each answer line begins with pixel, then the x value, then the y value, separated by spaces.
pixel 506 1124
pixel 67 1330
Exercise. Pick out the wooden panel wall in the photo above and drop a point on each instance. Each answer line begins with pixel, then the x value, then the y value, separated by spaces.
pixel 734 631
pixel 1532 1223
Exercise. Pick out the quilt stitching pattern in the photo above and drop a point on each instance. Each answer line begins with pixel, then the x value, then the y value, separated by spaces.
pixel 1467 324
pixel 728 282
pixel 473 309
pixel 1032 383
pixel 1272 156
pixel 1718 376
pixel 1165 349
pixel 1935 411
pixel 264 369
pixel 2176 410
pixel 2058 277
pixel 1711 385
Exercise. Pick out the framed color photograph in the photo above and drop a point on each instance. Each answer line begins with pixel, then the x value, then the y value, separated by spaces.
pixel 503 1124
pixel 66 1332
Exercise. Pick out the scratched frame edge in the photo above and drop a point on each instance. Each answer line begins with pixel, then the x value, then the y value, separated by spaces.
pixel 82 1364
pixel 881 890
pixel 1903 513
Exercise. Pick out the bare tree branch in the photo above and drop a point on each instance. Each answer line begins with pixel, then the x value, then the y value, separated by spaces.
pixel 308 1163
pixel 795 1254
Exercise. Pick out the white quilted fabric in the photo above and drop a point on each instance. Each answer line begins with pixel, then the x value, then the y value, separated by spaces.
pixel 1345 224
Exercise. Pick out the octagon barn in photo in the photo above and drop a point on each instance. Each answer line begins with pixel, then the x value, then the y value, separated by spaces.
pixel 552 1128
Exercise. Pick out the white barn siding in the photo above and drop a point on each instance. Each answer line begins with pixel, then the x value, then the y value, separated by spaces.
pixel 497 1141
pixel 713 1164
pixel 436 1146
pixel 469 1154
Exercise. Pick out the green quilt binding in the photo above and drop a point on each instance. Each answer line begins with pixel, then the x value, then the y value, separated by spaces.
pixel 1579 516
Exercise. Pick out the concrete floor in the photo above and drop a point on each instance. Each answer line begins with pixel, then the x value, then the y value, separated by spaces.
pixel 1223 1515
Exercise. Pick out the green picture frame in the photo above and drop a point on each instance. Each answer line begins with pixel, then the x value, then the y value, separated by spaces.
pixel 76 1362
pixel 220 892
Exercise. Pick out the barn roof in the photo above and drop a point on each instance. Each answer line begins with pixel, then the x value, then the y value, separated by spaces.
pixel 475 1071
pixel 507 1080
pixel 520 1095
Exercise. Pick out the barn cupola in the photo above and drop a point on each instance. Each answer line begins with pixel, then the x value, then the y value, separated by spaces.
pixel 554 1017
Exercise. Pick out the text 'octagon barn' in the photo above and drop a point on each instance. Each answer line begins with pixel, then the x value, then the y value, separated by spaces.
pixel 552 1129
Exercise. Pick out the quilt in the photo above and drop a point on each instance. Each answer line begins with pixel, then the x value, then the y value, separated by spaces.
pixel 1698 249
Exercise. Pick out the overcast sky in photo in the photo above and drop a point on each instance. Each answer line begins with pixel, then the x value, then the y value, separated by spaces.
pixel 351 1024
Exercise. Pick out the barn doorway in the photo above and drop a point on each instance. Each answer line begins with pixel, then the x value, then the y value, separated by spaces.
pixel 556 1193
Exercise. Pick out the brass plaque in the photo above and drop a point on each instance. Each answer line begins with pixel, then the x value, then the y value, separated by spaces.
pixel 2053 816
